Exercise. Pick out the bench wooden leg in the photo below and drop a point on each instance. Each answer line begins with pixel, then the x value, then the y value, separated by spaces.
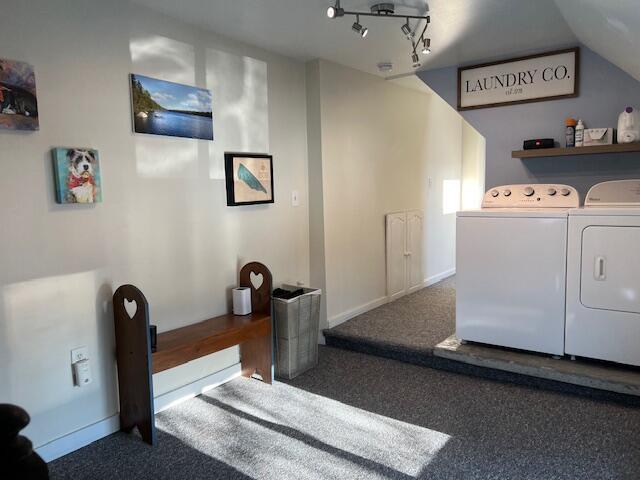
pixel 255 357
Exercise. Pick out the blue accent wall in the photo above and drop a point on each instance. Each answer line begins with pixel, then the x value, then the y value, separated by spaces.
pixel 604 92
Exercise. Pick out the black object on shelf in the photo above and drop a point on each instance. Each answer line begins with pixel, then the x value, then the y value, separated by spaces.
pixel 537 143
pixel 17 458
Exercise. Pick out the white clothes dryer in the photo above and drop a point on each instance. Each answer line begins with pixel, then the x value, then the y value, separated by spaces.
pixel 603 274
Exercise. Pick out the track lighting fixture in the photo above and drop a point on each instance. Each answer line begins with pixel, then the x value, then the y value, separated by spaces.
pixel 387 10
pixel 359 29
pixel 335 11
pixel 426 46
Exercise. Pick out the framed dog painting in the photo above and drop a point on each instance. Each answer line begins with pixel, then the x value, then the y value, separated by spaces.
pixel 77 175
pixel 249 178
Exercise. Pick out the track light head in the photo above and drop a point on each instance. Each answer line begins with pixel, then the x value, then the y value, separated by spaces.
pixel 426 46
pixel 335 11
pixel 406 29
pixel 415 59
pixel 359 29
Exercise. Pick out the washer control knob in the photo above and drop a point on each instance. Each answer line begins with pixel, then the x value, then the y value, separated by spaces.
pixel 565 192
pixel 551 191
pixel 507 192
pixel 528 191
pixel 495 193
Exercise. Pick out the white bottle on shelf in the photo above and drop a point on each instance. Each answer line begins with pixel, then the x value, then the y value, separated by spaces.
pixel 580 134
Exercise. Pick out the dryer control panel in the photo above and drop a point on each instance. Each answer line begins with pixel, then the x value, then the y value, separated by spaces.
pixel 535 195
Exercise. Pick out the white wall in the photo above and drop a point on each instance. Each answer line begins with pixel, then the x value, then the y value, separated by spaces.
pixel 377 145
pixel 163 226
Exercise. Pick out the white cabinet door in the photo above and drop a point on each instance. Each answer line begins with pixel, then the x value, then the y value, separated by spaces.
pixel 396 262
pixel 611 268
pixel 414 251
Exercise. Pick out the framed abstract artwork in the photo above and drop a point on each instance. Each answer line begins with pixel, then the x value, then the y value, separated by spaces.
pixel 249 178
pixel 18 101
pixel 77 175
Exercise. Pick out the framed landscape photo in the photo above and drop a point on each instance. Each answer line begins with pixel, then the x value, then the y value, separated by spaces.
pixel 534 78
pixel 166 108
pixel 249 178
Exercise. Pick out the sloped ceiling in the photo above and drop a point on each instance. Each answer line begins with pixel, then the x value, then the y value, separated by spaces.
pixel 611 28
pixel 462 31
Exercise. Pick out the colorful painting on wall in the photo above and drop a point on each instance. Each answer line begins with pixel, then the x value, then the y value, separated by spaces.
pixel 77 175
pixel 167 108
pixel 18 102
pixel 249 178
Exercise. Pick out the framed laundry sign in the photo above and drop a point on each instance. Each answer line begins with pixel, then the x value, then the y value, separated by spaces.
pixel 533 78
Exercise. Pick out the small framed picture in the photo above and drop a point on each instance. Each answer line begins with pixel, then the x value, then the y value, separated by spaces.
pixel 249 178
pixel 77 175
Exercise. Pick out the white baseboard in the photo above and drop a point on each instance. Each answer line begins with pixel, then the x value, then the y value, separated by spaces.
pixel 81 438
pixel 354 312
pixel 73 441
pixel 179 395
pixel 438 277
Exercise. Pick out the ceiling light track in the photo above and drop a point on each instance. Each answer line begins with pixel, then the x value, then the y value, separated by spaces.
pixel 387 10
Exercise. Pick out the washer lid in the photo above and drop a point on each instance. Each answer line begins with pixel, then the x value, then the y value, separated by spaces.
pixel 596 211
pixel 616 193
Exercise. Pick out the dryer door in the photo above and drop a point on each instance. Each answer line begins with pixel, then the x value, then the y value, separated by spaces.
pixel 610 278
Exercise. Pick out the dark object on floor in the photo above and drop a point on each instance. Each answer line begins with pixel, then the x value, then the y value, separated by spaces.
pixel 17 459
pixel 287 294
pixel 133 354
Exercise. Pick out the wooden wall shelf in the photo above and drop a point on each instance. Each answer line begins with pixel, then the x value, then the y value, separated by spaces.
pixel 591 150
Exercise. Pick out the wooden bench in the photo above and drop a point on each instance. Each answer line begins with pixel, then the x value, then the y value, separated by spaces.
pixel 136 363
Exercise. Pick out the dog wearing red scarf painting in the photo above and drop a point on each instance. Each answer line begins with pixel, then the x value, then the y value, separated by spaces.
pixel 81 184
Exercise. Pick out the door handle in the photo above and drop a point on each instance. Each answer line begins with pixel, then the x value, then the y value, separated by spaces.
pixel 599 269
pixel 407 254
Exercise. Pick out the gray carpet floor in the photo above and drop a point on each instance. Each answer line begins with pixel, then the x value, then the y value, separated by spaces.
pixel 417 322
pixel 357 416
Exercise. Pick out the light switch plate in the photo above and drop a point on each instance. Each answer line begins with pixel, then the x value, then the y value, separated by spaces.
pixel 295 199
pixel 78 354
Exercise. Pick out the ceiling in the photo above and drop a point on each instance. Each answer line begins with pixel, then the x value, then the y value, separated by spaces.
pixel 461 31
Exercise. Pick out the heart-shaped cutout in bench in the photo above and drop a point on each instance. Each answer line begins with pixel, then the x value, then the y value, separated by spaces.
pixel 256 280
pixel 131 307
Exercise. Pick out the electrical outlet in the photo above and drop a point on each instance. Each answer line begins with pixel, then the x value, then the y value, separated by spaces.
pixel 79 354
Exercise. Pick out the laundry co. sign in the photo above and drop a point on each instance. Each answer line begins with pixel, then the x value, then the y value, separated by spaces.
pixel 519 80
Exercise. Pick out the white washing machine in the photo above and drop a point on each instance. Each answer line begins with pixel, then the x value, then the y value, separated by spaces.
pixel 603 274
pixel 511 260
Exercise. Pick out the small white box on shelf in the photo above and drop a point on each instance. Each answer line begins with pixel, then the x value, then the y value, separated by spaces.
pixel 242 301
pixel 598 136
